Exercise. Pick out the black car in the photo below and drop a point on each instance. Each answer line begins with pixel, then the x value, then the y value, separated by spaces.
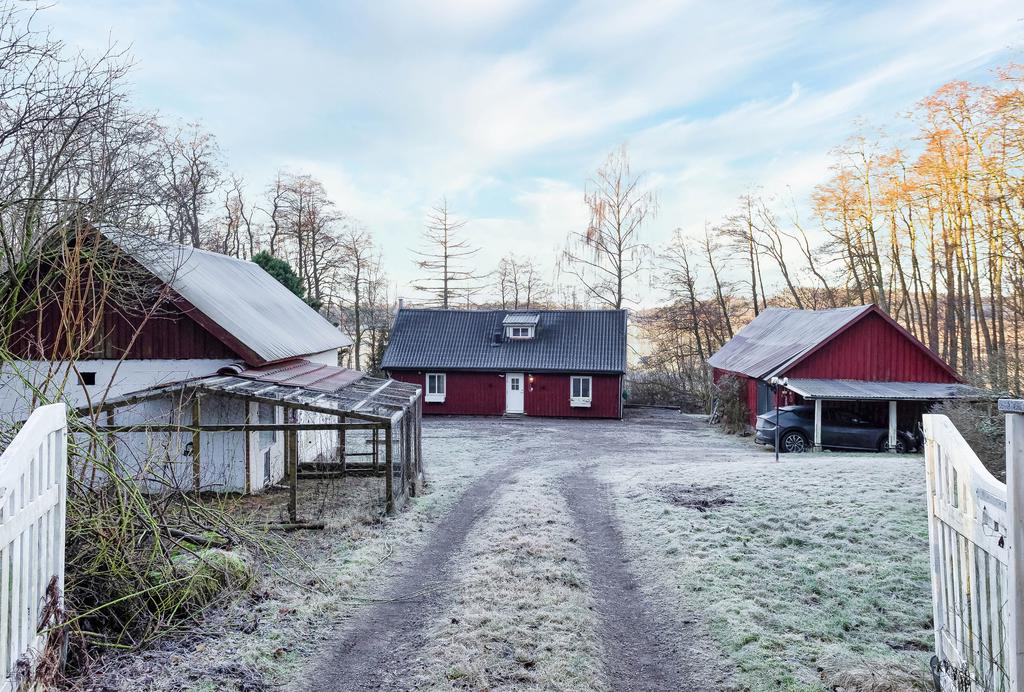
pixel 839 430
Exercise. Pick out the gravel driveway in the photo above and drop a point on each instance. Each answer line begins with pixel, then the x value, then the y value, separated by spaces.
pixel 397 643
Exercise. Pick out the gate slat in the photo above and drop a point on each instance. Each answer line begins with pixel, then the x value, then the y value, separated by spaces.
pixel 968 524
pixel 33 492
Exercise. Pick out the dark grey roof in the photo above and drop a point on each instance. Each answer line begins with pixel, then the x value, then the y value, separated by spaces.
pixel 521 319
pixel 566 341
pixel 779 336
pixel 888 391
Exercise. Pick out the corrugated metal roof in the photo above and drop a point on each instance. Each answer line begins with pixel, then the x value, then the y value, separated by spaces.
pixel 300 373
pixel 521 319
pixel 565 341
pixel 340 393
pixel 238 296
pixel 888 391
pixel 779 336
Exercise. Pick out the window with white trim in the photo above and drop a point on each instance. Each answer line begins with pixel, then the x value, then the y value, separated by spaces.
pixel 579 390
pixel 436 386
pixel 520 332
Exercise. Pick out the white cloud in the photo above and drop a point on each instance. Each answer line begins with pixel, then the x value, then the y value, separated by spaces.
pixel 507 106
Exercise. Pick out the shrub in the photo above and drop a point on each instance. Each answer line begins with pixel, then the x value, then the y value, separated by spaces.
pixel 731 410
pixel 983 428
pixel 658 388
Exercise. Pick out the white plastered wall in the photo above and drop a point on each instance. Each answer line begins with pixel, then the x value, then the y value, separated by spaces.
pixel 319 445
pixel 113 378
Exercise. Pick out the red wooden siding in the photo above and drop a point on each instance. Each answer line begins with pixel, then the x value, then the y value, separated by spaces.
pixel 872 349
pixel 466 393
pixel 171 335
pixel 548 395
pixel 483 394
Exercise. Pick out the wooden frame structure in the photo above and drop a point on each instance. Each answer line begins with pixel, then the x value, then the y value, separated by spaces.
pixel 373 404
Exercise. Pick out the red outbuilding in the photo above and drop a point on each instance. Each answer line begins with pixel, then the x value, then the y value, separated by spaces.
pixel 564 363
pixel 858 356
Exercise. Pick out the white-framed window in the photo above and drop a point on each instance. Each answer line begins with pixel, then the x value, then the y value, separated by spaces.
pixel 579 390
pixel 520 332
pixel 436 386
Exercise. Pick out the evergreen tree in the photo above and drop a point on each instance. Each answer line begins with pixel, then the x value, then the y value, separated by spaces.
pixel 285 275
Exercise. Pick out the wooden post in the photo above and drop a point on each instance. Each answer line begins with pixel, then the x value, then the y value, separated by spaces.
pixel 196 441
pixel 247 437
pixel 1015 511
pixel 892 426
pixel 417 428
pixel 291 457
pixel 817 425
pixel 419 443
pixel 341 445
pixel 935 539
pixel 376 453
pixel 408 477
pixel 414 450
pixel 389 490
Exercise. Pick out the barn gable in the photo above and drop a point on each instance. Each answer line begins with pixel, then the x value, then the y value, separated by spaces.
pixel 170 334
pixel 872 348
pixel 179 303
pixel 779 336
pixel 857 343
pixel 235 300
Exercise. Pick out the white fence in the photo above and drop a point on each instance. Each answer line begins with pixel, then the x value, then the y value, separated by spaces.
pixel 33 493
pixel 976 607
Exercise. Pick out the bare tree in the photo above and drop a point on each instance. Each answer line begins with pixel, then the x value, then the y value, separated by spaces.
pixel 376 315
pixel 236 235
pixel 275 196
pixel 189 177
pixel 357 264
pixel 519 283
pixel 444 260
pixel 609 253
pixel 304 228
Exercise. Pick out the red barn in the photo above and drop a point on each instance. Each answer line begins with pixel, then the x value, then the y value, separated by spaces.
pixel 566 363
pixel 858 355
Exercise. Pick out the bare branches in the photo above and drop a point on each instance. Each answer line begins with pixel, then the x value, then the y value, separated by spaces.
pixel 447 277
pixel 607 256
pixel 520 284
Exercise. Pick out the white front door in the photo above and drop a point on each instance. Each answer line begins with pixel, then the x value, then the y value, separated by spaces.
pixel 514 392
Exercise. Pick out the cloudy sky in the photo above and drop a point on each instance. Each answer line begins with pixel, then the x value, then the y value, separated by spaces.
pixel 507 106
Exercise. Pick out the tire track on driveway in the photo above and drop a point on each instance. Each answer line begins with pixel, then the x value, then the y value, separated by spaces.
pixel 642 645
pixel 376 651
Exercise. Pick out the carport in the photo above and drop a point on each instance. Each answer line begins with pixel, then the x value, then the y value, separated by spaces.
pixel 894 393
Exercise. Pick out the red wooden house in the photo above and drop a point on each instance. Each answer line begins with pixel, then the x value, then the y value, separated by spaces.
pixel 567 363
pixel 858 356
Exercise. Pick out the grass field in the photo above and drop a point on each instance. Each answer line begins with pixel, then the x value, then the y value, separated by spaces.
pixel 810 574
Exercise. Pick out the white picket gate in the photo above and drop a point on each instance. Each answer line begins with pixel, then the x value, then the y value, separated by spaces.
pixel 33 493
pixel 976 607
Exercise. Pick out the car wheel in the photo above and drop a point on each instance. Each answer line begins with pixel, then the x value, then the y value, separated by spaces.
pixel 901 446
pixel 793 442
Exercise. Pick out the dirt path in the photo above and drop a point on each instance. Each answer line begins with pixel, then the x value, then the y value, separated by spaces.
pixel 376 652
pixel 645 648
pixel 640 642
